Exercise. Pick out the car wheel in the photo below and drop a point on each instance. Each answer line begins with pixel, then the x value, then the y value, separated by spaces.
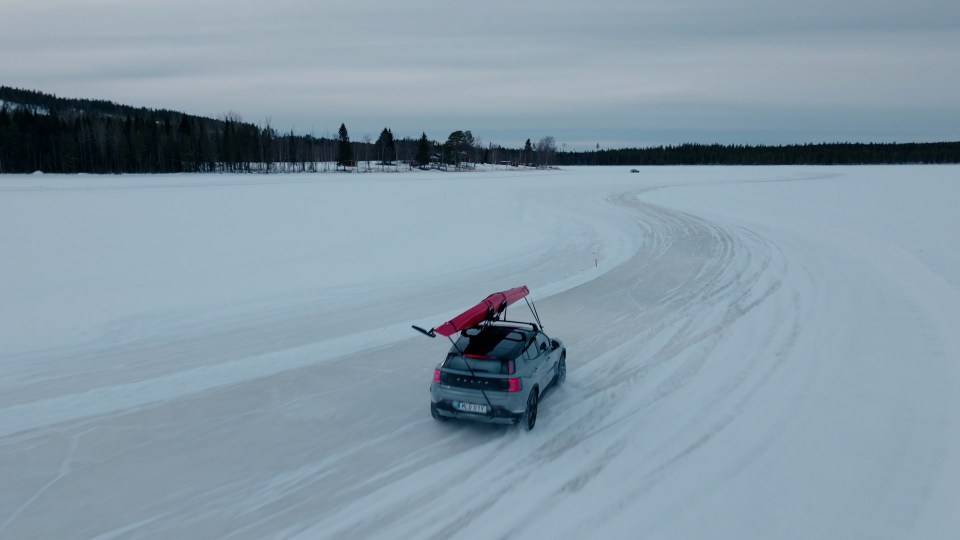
pixel 530 415
pixel 436 414
pixel 561 370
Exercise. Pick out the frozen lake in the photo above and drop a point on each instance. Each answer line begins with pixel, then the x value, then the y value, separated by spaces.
pixel 757 352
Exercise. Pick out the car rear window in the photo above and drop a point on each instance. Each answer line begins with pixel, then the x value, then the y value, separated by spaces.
pixel 478 365
pixel 489 351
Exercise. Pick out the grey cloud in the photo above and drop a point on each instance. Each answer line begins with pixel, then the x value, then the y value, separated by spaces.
pixel 639 70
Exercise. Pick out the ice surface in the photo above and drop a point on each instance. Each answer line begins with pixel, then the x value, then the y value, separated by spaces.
pixel 766 352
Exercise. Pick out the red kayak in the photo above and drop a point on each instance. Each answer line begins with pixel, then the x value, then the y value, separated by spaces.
pixel 488 309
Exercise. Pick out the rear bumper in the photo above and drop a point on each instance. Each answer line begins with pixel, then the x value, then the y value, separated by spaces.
pixel 497 415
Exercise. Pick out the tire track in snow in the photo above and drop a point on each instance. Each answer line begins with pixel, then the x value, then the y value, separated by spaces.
pixel 736 279
pixel 674 357
pixel 653 334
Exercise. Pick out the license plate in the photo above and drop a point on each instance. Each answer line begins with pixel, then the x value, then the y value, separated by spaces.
pixel 470 407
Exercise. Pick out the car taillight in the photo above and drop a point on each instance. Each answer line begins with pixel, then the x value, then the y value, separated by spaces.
pixel 514 385
pixel 511 367
pixel 436 375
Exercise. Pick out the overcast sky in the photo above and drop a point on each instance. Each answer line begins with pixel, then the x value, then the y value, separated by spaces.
pixel 610 72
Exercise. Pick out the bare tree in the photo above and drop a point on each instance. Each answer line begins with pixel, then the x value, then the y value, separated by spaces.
pixel 546 149
pixel 366 145
pixel 478 150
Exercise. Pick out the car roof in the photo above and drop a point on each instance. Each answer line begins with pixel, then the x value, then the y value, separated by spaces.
pixel 500 340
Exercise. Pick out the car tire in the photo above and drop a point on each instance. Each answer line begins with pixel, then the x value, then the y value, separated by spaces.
pixel 436 414
pixel 529 418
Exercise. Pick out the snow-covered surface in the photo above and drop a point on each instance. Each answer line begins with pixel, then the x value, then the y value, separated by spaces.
pixel 13 106
pixel 753 353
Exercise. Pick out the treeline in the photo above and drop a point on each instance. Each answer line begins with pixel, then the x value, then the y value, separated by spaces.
pixel 805 154
pixel 42 132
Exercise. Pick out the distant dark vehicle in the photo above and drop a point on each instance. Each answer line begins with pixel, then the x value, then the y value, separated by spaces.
pixel 634 170
pixel 497 370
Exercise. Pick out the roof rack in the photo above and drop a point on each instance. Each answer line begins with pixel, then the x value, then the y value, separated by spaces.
pixel 505 322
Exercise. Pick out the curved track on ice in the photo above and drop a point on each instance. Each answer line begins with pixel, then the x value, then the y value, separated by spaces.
pixel 721 382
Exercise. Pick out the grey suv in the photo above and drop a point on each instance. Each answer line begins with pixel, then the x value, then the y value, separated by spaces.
pixel 497 372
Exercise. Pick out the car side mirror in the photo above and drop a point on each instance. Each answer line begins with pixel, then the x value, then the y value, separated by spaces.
pixel 555 344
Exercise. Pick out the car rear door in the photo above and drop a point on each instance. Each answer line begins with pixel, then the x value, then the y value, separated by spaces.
pixel 545 359
pixel 533 361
